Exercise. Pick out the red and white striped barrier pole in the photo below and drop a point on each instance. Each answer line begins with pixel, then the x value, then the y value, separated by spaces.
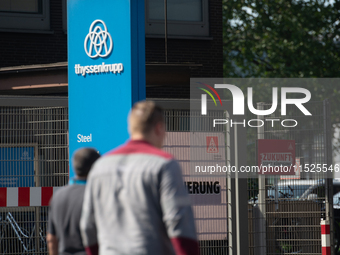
pixel 27 196
pixel 325 237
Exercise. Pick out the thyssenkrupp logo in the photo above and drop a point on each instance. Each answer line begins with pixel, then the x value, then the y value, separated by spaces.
pixel 97 40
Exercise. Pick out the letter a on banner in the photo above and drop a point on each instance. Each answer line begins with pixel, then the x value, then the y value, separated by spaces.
pixel 212 144
pixel 106 70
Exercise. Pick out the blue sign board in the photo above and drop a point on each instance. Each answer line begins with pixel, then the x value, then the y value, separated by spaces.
pixel 106 70
pixel 16 166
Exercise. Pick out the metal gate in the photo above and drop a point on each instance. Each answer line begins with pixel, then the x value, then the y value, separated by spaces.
pixel 34 149
pixel 292 206
pixel 210 207
pixel 33 163
pixel 33 137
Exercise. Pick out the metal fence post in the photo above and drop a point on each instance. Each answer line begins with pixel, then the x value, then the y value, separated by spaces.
pixel 328 178
pixel 262 245
pixel 229 188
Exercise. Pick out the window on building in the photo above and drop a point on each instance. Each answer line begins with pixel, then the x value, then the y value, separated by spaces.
pixel 184 18
pixel 26 15
pixel 21 6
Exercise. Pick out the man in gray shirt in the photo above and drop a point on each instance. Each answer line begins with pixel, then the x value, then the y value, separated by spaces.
pixel 63 235
pixel 135 202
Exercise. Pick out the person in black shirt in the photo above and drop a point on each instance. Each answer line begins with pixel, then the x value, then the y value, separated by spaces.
pixel 63 235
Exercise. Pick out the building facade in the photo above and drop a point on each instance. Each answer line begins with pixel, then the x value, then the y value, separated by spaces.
pixel 33 46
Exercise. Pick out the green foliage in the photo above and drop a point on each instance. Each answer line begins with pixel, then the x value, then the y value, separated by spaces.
pixel 281 38
pixel 284 39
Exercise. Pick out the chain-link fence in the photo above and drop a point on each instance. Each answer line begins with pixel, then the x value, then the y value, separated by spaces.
pixel 33 160
pixel 34 146
pixel 34 153
pixel 23 230
pixel 293 205
pixel 209 196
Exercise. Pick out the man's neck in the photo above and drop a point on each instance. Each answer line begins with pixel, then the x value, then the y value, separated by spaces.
pixel 82 178
pixel 147 138
pixel 136 137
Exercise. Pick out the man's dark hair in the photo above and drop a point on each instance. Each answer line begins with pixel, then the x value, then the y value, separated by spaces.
pixel 83 159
